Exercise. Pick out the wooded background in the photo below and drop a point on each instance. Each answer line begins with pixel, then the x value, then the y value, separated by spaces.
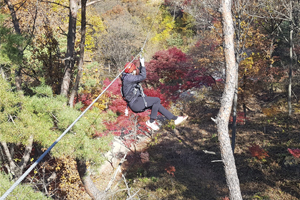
pixel 57 56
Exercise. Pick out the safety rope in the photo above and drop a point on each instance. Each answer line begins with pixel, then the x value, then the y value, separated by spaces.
pixel 69 128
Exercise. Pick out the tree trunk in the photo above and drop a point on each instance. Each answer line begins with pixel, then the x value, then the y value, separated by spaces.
pixel 234 111
pixel 17 169
pixel 89 185
pixel 82 45
pixel 226 102
pixel 291 61
pixel 2 72
pixel 69 60
pixel 15 21
pixel 237 53
pixel 26 155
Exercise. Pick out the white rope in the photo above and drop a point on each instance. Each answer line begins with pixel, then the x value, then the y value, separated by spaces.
pixel 67 130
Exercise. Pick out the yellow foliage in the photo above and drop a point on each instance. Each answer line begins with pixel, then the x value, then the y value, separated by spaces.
pixel 94 28
pixel 58 8
pixel 68 181
pixel 269 112
pixel 163 26
pixel 252 65
pixel 204 60
pixel 102 102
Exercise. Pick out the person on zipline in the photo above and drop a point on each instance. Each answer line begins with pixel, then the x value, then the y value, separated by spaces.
pixel 138 101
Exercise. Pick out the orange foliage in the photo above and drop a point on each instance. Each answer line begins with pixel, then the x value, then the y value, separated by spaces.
pixel 170 170
pixel 117 10
pixel 269 112
pixel 64 182
pixel 129 1
pixel 69 181
pixel 208 51
pixel 257 151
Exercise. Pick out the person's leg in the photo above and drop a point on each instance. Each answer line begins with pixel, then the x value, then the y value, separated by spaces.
pixel 138 105
pixel 154 104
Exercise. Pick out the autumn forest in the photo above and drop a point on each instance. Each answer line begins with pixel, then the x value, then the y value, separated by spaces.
pixel 230 65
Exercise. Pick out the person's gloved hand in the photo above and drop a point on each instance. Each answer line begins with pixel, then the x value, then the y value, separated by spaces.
pixel 142 61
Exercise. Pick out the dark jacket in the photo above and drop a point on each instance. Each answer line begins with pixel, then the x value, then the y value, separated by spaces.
pixel 130 89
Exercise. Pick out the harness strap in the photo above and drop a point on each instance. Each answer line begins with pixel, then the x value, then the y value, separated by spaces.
pixel 142 94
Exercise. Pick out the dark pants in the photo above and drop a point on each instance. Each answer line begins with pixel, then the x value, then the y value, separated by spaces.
pixel 154 103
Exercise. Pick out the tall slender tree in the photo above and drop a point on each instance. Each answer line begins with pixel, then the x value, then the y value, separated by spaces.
pixel 82 46
pixel 88 183
pixel 240 48
pixel 69 60
pixel 291 44
pixel 15 21
pixel 226 102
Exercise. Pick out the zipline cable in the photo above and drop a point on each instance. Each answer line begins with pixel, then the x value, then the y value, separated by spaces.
pixel 69 128
pixel 150 28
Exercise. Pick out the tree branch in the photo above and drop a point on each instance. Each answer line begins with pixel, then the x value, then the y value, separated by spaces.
pixel 56 3
pixel 33 27
pixel 8 155
pixel 22 3
pixel 116 172
pixel 89 186
pixel 26 155
pixel 90 3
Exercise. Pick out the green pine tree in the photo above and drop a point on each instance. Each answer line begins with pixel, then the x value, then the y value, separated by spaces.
pixel 39 120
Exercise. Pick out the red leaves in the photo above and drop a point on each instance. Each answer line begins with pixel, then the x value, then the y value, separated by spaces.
pixel 128 142
pixel 295 152
pixel 257 151
pixel 172 71
pixel 170 170
pixel 99 134
pixel 85 98
pixel 240 118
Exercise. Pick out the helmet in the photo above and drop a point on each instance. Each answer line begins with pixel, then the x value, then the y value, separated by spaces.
pixel 130 67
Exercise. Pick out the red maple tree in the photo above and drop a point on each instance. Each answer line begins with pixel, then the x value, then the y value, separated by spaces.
pixel 173 72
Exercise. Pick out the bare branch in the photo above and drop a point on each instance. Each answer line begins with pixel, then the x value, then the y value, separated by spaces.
pixel 128 189
pixel 214 120
pixel 56 3
pixel 133 195
pixel 90 3
pixel 26 155
pixel 8 155
pixel 217 161
pixel 209 152
pixel 116 172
